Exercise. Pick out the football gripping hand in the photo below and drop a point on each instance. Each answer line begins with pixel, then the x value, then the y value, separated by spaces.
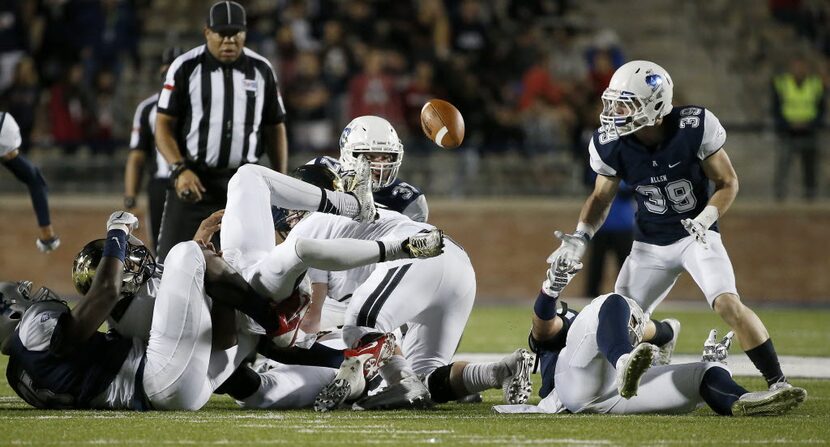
pixel 568 256
pixel 558 277
pixel 696 229
pixel 122 220
pixel 713 351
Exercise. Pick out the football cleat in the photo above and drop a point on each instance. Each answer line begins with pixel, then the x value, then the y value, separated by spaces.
pixel 361 189
pixel 517 386
pixel 48 245
pixel 349 383
pixel 773 402
pixel 632 366
pixel 665 352
pixel 379 350
pixel 410 392
pixel 425 245
pixel 290 314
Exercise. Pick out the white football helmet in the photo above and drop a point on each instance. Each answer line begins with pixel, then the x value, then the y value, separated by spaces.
pixel 640 92
pixel 372 135
pixel 637 322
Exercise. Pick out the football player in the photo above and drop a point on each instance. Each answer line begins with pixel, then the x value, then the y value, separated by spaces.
pixel 596 361
pixel 26 172
pixel 669 155
pixel 58 359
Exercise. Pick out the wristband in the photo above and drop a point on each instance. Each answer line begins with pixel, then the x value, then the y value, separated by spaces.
pixel 708 216
pixel 176 170
pixel 545 306
pixel 115 245
pixel 585 231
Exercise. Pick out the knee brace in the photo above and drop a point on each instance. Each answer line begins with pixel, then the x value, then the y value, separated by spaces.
pixel 439 385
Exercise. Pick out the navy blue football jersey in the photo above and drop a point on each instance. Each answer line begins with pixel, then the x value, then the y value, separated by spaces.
pixel 668 180
pixel 398 196
pixel 547 353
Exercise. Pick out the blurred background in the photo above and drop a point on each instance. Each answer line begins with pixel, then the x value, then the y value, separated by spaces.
pixel 525 74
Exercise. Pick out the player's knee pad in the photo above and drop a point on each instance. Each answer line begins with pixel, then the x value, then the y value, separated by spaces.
pixel 439 385
pixel 26 172
pixel 241 384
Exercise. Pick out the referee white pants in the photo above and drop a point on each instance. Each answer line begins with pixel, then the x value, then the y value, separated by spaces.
pixel 586 381
pixel 650 271
pixel 433 297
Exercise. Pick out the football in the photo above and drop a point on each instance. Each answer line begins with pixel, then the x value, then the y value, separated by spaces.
pixel 442 123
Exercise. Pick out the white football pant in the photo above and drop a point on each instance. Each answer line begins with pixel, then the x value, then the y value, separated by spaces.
pixel 433 297
pixel 586 380
pixel 650 271
pixel 289 386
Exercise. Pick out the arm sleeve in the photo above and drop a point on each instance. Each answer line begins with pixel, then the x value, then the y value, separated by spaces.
pixel 36 331
pixel 9 134
pixel 273 112
pixel 714 136
pixel 597 163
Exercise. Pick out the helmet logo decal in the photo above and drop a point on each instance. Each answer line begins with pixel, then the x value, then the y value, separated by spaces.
pixel 344 136
pixel 654 81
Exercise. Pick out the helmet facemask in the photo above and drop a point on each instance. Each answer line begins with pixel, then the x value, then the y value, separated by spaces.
pixel 625 112
pixel 139 267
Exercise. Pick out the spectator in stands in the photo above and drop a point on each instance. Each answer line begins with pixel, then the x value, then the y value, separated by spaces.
pixel 14 41
pixel 431 36
pixel 107 113
pixel 606 40
pixel 374 92
pixel 469 31
pixel 22 100
pixel 602 68
pixel 108 31
pixel 306 101
pixel 415 95
pixel 798 98
pixel 70 106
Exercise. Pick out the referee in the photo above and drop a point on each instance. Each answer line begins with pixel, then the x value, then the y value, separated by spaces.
pixel 220 108
pixel 143 154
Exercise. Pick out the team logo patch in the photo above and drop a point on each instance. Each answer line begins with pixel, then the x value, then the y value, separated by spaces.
pixel 654 81
pixel 250 85
pixel 344 136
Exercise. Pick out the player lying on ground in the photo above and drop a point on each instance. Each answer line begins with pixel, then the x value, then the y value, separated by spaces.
pixel 668 155
pixel 26 172
pixel 595 361
pixel 433 297
pixel 58 359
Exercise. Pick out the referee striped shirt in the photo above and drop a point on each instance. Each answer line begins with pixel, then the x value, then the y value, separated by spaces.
pixel 143 139
pixel 221 108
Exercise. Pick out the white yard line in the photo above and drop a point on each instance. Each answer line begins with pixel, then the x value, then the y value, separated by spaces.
pixel 738 363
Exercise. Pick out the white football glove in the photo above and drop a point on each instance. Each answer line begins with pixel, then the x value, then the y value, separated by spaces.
pixel 557 278
pixel 568 256
pixel 714 351
pixel 696 229
pixel 122 220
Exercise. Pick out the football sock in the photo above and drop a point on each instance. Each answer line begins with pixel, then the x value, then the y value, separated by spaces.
pixel 545 307
pixel 719 391
pixel 29 174
pixel 241 384
pixel 342 203
pixel 339 254
pixel 765 359
pixel 440 388
pixel 483 376
pixel 663 333
pixel 612 329
pixel 394 369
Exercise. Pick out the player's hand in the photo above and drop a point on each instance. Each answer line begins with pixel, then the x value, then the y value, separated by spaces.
pixel 557 278
pixel 208 228
pixel 714 351
pixel 697 230
pixel 568 256
pixel 188 186
pixel 122 220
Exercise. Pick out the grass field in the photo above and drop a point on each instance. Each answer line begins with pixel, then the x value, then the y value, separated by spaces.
pixel 796 332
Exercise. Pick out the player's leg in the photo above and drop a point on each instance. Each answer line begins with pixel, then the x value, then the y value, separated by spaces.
pixel 178 353
pixel 712 271
pixel 648 274
pixel 30 175
pixel 279 388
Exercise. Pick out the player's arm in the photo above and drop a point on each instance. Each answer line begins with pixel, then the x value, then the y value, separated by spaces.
pixel 275 140
pixel 132 177
pixel 718 168
pixel 311 322
pixel 94 308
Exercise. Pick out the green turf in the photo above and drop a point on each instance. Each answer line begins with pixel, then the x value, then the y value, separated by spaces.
pixel 794 331
pixel 451 424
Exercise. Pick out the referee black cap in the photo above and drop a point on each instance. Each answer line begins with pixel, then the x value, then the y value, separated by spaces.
pixel 170 54
pixel 227 17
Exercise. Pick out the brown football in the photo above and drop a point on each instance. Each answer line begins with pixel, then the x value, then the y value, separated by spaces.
pixel 442 123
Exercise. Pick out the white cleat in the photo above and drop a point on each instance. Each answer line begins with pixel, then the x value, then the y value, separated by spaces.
pixel 425 245
pixel 773 402
pixel 665 352
pixel 361 188
pixel 632 366
pixel 349 383
pixel 410 393
pixel 48 245
pixel 517 387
